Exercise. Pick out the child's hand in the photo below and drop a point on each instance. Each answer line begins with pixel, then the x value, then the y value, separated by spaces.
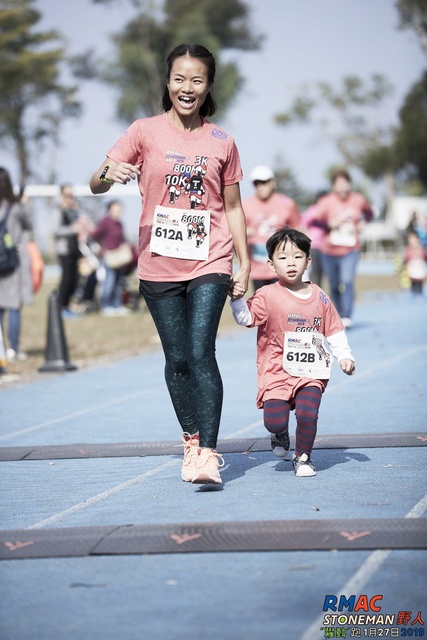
pixel 236 290
pixel 347 366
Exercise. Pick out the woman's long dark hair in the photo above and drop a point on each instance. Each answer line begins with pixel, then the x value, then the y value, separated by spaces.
pixel 200 52
pixel 6 188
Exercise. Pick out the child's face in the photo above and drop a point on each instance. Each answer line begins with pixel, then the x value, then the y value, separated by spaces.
pixel 413 240
pixel 289 263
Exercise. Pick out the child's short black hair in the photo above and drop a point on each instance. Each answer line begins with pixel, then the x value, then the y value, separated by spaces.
pixel 287 234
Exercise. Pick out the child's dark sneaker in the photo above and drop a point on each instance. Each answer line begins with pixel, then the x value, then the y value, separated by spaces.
pixel 280 444
pixel 303 466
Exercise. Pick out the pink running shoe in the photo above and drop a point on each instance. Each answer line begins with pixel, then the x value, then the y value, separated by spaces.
pixel 208 464
pixel 191 445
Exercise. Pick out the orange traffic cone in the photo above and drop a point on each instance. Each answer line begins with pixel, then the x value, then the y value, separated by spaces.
pixel 56 353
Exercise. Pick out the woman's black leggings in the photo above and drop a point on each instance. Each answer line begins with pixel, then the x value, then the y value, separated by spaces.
pixel 187 324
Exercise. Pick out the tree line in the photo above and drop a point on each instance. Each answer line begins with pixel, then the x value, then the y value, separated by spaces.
pixel 35 99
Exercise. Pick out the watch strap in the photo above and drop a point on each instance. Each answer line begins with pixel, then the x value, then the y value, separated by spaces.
pixel 103 174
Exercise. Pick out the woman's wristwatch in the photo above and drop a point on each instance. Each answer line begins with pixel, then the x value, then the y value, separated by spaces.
pixel 103 174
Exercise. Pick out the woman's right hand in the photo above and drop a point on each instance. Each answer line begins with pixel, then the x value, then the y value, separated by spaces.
pixel 123 172
pixel 120 172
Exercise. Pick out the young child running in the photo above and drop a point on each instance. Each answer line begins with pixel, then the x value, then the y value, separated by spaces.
pixel 293 319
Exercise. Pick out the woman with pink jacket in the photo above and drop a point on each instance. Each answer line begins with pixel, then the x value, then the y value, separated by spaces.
pixel 343 213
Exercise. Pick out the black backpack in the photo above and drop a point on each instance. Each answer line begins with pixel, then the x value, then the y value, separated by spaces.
pixel 9 256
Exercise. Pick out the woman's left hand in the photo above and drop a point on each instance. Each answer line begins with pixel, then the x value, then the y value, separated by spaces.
pixel 239 284
pixel 237 225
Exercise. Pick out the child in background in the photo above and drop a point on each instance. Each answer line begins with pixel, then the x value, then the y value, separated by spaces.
pixel 414 259
pixel 293 318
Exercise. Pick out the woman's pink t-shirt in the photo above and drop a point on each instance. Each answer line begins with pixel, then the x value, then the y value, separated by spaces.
pixel 171 159
pixel 263 218
pixel 415 260
pixel 275 310
pixel 338 212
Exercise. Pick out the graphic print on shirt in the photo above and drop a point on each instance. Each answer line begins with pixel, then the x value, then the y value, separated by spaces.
pixel 266 226
pixel 304 351
pixel 321 351
pixel 181 233
pixel 344 234
pixel 188 179
pixel 305 355
pixel 302 323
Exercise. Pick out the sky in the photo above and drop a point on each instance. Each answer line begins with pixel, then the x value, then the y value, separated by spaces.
pixel 305 41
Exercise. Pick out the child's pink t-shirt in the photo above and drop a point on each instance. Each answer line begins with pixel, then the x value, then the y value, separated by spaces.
pixel 177 168
pixel 348 213
pixel 274 310
pixel 263 218
pixel 415 260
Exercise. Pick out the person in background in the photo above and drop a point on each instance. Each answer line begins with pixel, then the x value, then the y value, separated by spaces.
pixel 293 318
pixel 109 234
pixel 265 211
pixel 414 260
pixel 192 219
pixel 417 225
pixel 316 232
pixel 343 212
pixel 74 227
pixel 16 288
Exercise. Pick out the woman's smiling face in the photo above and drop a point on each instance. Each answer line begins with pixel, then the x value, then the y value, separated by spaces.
pixel 188 85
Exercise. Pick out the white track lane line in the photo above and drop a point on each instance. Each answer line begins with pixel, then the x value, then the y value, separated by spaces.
pixel 102 496
pixel 94 408
pixel 372 564
pixel 132 481
pixel 414 351
pixel 82 412
pixel 348 380
pixel 244 430
pixel 105 494
pixel 89 410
